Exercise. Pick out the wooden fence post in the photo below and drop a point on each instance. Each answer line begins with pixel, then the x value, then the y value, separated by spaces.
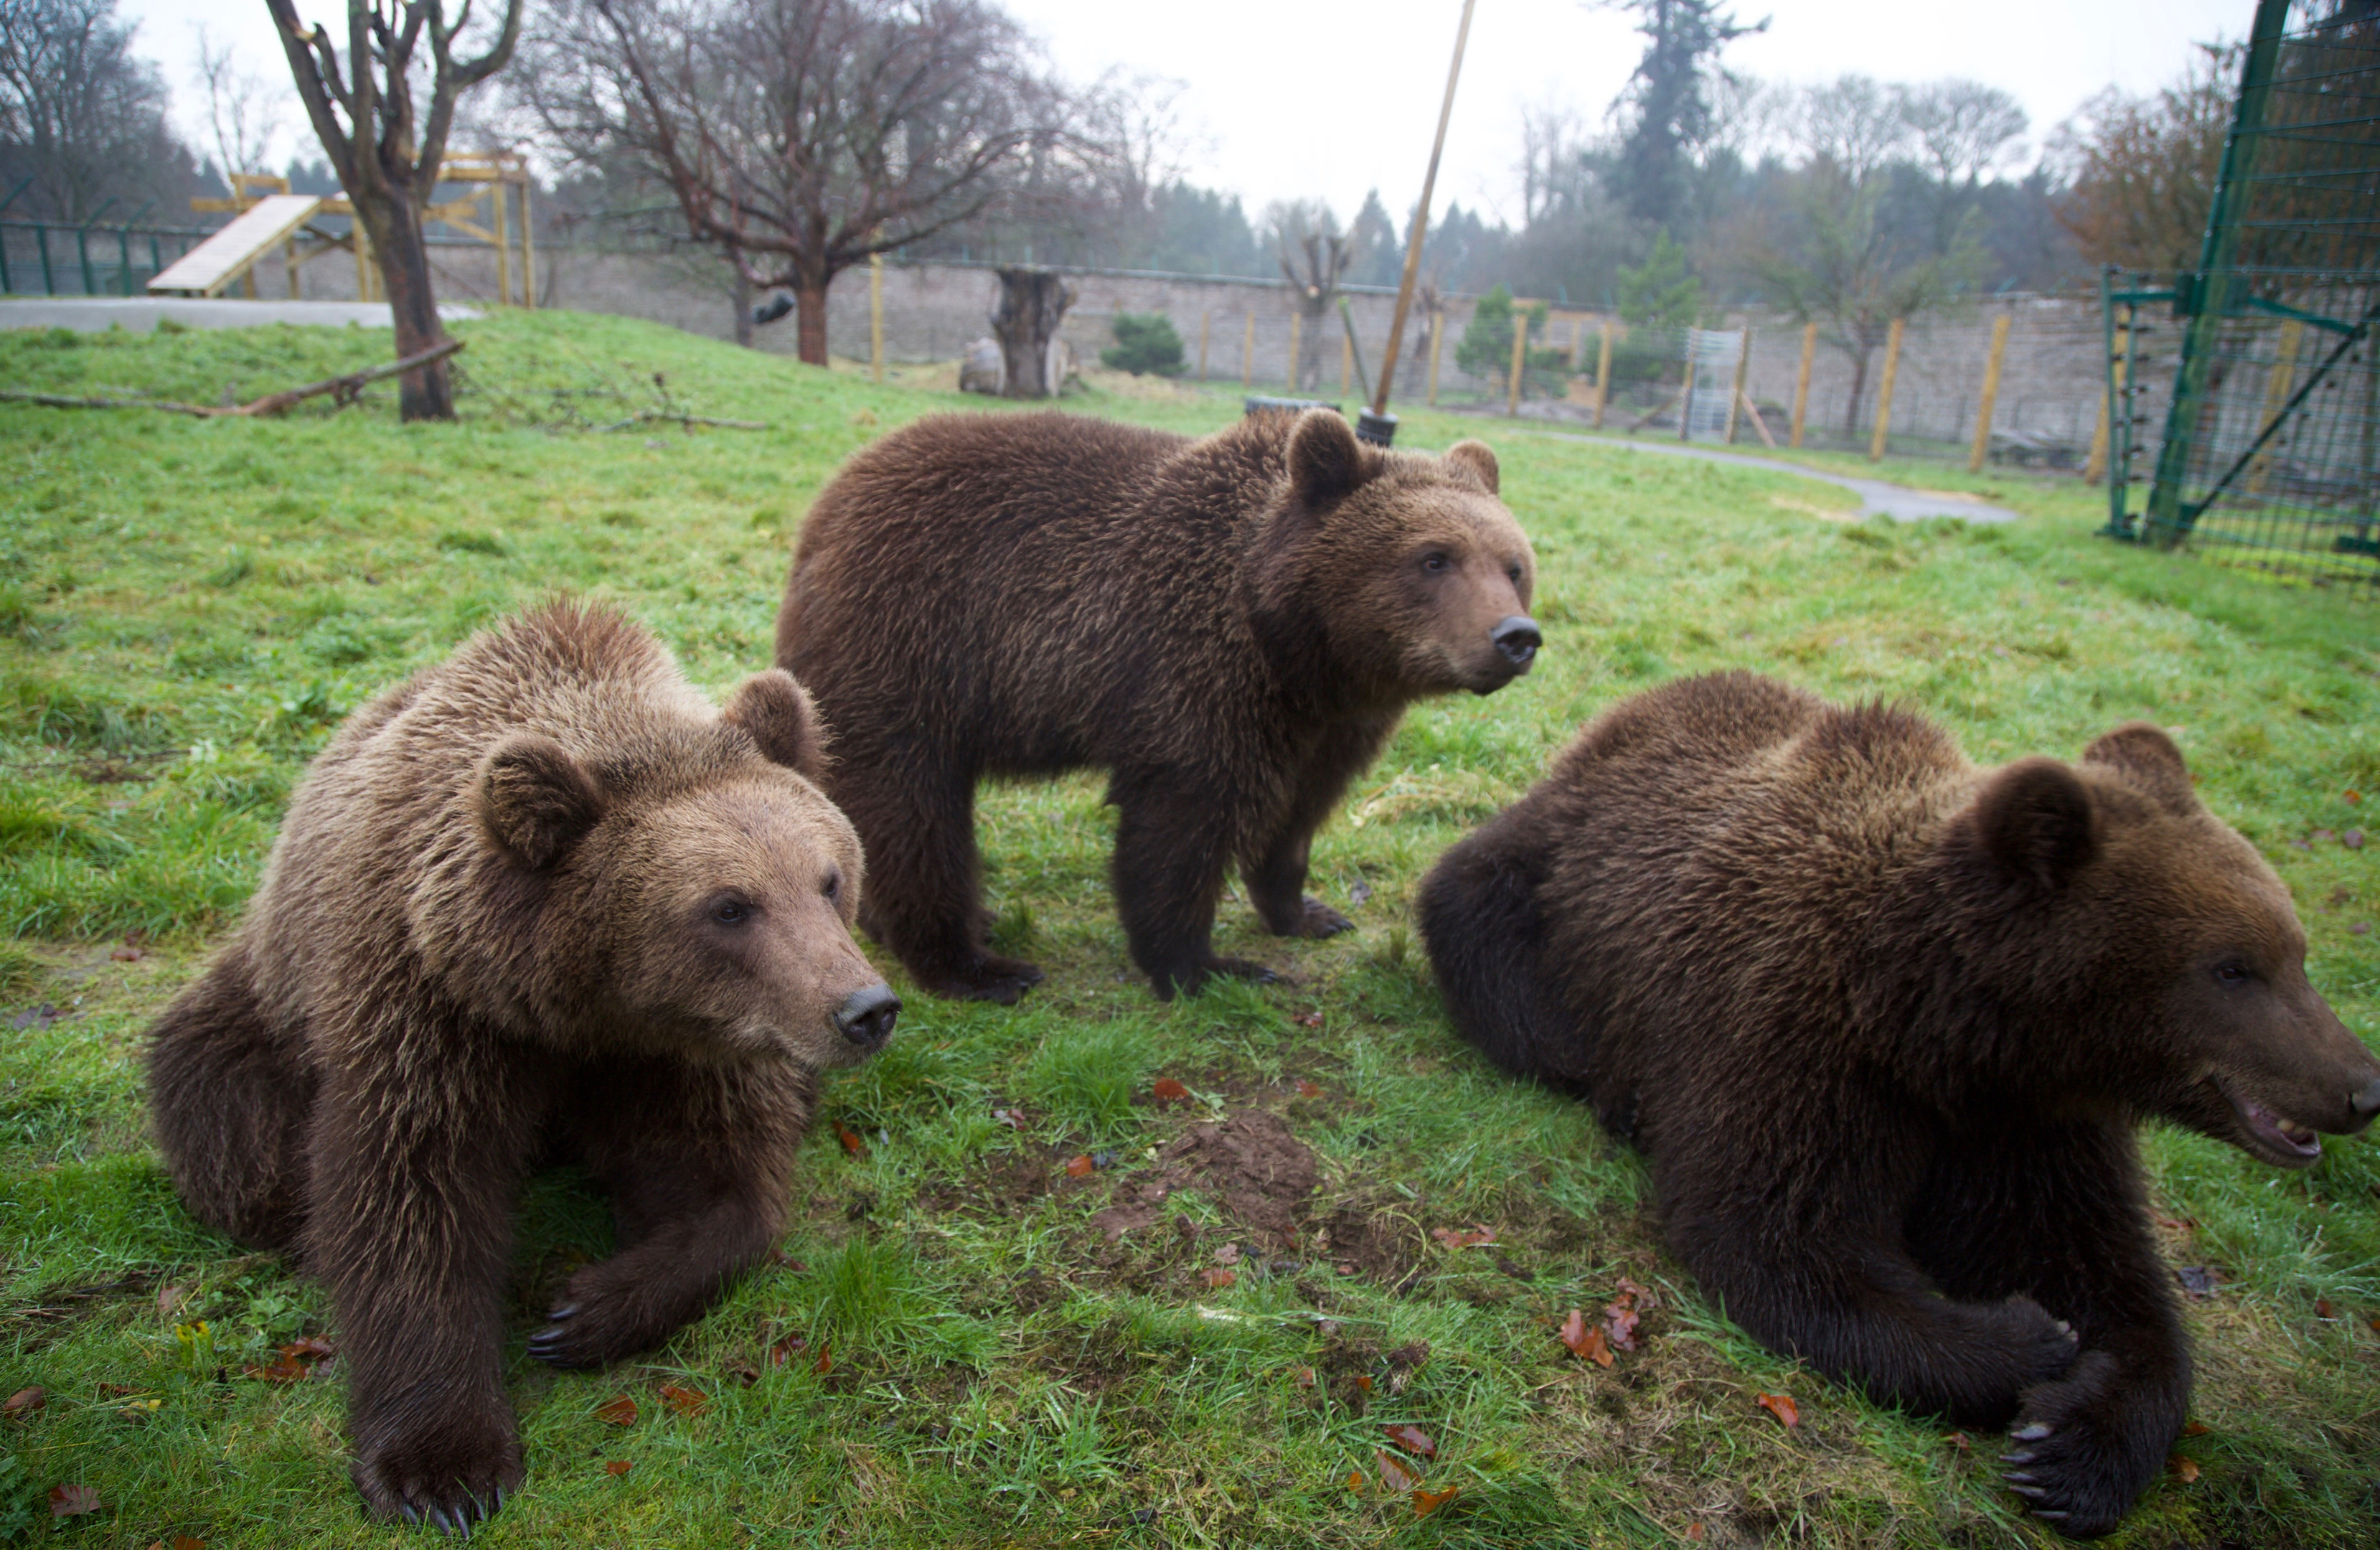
pixel 1520 359
pixel 2095 467
pixel 1205 318
pixel 503 246
pixel 876 316
pixel 1603 374
pixel 1991 395
pixel 2277 382
pixel 1884 398
pixel 1346 364
pixel 1743 370
pixel 1436 343
pixel 1577 341
pixel 1686 394
pixel 1248 353
pixel 528 253
pixel 1801 382
pixel 1296 329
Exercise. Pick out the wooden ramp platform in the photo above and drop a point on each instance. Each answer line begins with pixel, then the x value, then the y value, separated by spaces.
pixel 213 264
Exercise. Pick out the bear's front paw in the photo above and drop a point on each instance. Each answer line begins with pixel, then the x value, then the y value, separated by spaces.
pixel 451 1474
pixel 989 978
pixel 2043 1346
pixel 2087 1444
pixel 1320 920
pixel 591 1327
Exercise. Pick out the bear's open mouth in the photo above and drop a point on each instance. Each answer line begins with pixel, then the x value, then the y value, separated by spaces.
pixel 2284 1141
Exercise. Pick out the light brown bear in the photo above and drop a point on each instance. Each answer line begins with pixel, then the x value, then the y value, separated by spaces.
pixel 1885 1023
pixel 541 902
pixel 1230 627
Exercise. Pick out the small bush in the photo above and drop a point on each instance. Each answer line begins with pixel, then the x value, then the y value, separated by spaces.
pixel 1146 344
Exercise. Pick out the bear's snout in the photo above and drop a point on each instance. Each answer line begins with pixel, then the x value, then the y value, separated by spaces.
pixel 1518 639
pixel 2365 1101
pixel 867 1015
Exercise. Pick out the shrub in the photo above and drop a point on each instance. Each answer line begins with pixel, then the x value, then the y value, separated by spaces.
pixel 1145 343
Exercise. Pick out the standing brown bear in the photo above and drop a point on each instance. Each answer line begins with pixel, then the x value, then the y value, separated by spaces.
pixel 541 902
pixel 1229 627
pixel 1885 1023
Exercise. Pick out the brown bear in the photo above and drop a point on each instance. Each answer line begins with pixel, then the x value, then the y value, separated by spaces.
pixel 541 902
pixel 1229 627
pixel 1885 1023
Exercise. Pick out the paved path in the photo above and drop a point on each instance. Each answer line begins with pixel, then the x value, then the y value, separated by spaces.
pixel 1896 501
pixel 138 314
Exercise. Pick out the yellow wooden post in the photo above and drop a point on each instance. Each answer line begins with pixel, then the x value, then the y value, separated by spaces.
pixel 1743 373
pixel 1248 353
pixel 876 316
pixel 1991 395
pixel 1577 341
pixel 1346 362
pixel 1436 343
pixel 1520 359
pixel 2277 382
pixel 1603 374
pixel 528 251
pixel 1884 398
pixel 504 244
pixel 1204 320
pixel 1686 394
pixel 2095 467
pixel 1296 327
pixel 1802 381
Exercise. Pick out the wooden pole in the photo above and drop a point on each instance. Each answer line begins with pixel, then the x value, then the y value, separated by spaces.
pixel 1991 394
pixel 1577 341
pixel 1206 321
pixel 876 316
pixel 1346 364
pixel 1296 328
pixel 1248 353
pixel 1686 394
pixel 1884 397
pixel 1420 231
pixel 529 252
pixel 1743 369
pixel 1520 358
pixel 1436 343
pixel 1603 374
pixel 2095 467
pixel 1801 382
pixel 504 243
pixel 2277 382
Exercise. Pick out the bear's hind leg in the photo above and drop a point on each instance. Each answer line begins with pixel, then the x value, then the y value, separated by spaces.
pixel 1485 939
pixel 2056 1213
pixel 228 1101
pixel 923 895
pixel 695 1164
pixel 1171 845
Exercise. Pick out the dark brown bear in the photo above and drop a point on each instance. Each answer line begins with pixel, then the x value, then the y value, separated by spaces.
pixel 541 902
pixel 1885 1023
pixel 1230 627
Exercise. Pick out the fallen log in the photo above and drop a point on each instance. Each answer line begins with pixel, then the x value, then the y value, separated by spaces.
pixel 343 390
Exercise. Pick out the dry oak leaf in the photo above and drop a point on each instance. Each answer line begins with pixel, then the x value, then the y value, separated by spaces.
pixel 1218 1278
pixel 615 1467
pixel 1395 1473
pixel 1311 1019
pixel 1411 1438
pixel 24 1402
pixel 621 1411
pixel 1464 1237
pixel 1080 1167
pixel 1355 1481
pixel 282 1367
pixel 1309 1090
pixel 851 1142
pixel 1013 1118
pixel 1619 1322
pixel 685 1401
pixel 1169 1091
pixel 73 1501
pixel 825 1362
pixel 1694 1530
pixel 1305 1376
pixel 2184 1467
pixel 1587 1345
pixel 2195 1429
pixel 1781 1406
pixel 1427 1502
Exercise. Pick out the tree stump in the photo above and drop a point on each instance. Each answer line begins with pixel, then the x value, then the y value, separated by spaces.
pixel 1032 303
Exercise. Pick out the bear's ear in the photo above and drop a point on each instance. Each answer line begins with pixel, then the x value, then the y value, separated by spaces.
pixel 535 800
pixel 778 715
pixel 2035 821
pixel 2148 761
pixel 1325 464
pixel 1476 457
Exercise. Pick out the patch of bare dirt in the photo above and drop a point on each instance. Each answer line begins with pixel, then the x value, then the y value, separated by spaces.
pixel 1248 1160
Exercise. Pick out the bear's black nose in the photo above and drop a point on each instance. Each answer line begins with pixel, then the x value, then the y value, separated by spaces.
pixel 2366 1102
pixel 1518 639
pixel 865 1015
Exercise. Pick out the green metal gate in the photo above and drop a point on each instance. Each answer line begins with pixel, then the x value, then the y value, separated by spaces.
pixel 2270 454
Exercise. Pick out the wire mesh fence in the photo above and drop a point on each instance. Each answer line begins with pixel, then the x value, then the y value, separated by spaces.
pixel 2269 455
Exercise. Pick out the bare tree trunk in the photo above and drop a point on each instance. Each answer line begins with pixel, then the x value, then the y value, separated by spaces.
pixel 809 317
pixel 1032 303
pixel 1858 391
pixel 427 392
pixel 743 305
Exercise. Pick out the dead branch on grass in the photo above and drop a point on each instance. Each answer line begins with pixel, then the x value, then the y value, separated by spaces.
pixel 343 391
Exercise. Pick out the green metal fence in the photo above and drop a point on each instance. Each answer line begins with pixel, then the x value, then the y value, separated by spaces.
pixel 54 258
pixel 2270 449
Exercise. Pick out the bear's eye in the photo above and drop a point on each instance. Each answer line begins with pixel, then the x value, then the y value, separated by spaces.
pixel 1434 561
pixel 2231 972
pixel 832 886
pixel 1514 573
pixel 730 911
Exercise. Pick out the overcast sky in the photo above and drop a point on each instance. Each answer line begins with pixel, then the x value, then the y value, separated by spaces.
pixel 1291 98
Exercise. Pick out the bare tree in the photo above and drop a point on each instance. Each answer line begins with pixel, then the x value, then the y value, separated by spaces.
pixel 242 111
pixel 2139 171
pixel 1965 131
pixel 1853 124
pixel 799 137
pixel 1307 229
pixel 386 159
pixel 79 114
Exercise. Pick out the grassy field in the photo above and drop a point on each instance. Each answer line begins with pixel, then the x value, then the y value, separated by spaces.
pixel 950 1351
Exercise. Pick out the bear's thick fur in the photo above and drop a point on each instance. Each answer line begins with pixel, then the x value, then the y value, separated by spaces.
pixel 540 902
pixel 1229 627
pixel 1885 1023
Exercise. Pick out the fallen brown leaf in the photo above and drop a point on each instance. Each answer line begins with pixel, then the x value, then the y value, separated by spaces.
pixel 1620 1322
pixel 1218 1278
pixel 1364 1382
pixel 1961 1441
pixel 1464 1237
pixel 1694 1530
pixel 188 1541
pixel 1228 1254
pixel 311 1348
pixel 1080 1167
pixel 791 1346
pixel 2184 1467
pixel 1169 1091
pixel 24 1402
pixel 1781 1406
pixel 282 1367
pixel 825 1362
pixel 1426 1502
pixel 1587 1345
pixel 621 1411
pixel 615 1467
pixel 1013 1118
pixel 2195 1429
pixel 1413 1439
pixel 169 1298
pixel 73 1501
pixel 1355 1481
pixel 1311 1019
pixel 1305 1376
pixel 1395 1473
pixel 1309 1090
pixel 851 1142
pixel 685 1401
pixel 129 955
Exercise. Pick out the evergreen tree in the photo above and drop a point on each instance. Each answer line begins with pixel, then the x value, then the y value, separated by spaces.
pixel 1671 93
pixel 1659 293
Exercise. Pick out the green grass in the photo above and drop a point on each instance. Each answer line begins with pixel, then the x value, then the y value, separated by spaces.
pixel 187 609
